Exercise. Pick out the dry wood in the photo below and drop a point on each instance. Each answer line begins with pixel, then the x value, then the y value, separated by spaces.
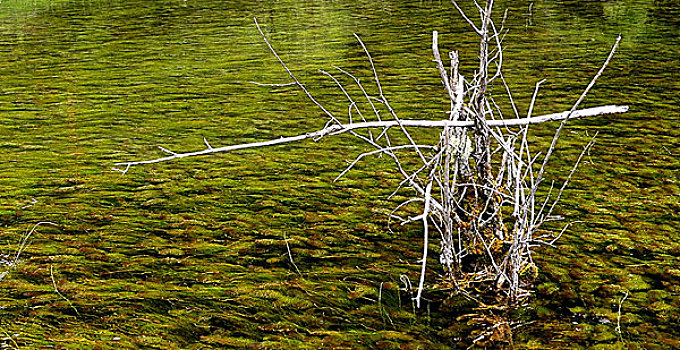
pixel 340 129
pixel 477 186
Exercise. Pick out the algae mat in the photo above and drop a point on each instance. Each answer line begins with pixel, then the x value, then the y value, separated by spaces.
pixel 193 254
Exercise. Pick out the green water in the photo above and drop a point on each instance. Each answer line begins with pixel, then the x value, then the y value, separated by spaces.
pixel 192 254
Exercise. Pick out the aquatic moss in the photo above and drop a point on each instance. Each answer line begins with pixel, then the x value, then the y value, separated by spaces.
pixel 192 254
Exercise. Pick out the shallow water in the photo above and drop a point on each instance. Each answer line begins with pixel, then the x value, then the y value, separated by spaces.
pixel 192 254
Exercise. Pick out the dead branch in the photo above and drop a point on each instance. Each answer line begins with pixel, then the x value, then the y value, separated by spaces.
pixel 340 129
pixel 477 185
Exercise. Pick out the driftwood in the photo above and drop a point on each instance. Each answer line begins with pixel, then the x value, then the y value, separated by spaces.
pixel 476 188
pixel 337 129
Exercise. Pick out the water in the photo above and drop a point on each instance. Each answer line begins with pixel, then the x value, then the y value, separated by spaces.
pixel 193 253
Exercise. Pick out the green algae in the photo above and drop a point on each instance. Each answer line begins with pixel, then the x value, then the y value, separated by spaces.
pixel 192 254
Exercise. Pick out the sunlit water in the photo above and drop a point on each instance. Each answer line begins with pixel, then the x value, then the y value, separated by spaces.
pixel 193 253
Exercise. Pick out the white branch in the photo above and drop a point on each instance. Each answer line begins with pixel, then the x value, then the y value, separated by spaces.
pixel 440 66
pixel 426 212
pixel 380 150
pixel 571 116
pixel 340 129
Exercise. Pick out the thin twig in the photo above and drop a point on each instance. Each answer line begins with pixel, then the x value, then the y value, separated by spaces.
pixel 9 337
pixel 24 240
pixel 290 255
pixel 295 79
pixel 571 173
pixel 466 18
pixel 440 65
pixel 618 314
pixel 572 111
pixel 381 150
pixel 426 212
pixel 54 284
pixel 274 84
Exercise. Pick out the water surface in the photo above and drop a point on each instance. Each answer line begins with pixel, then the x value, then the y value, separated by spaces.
pixel 193 253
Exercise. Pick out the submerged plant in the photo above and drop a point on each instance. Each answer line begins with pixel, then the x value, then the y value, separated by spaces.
pixel 477 186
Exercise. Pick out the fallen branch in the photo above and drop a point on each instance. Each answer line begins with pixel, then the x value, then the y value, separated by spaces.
pixel 340 129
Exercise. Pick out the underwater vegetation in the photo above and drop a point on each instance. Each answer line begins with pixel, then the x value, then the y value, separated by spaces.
pixel 197 254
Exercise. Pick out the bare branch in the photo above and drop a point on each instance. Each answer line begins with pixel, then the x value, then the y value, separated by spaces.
pixel 381 150
pixel 24 240
pixel 440 65
pixel 571 173
pixel 166 150
pixel 426 212
pixel 339 129
pixel 206 143
pixel 466 18
pixel 573 109
pixel 297 82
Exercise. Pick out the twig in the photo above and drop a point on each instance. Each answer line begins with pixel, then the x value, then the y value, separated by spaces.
pixel 9 337
pixel 618 314
pixel 426 212
pixel 24 240
pixel 290 255
pixel 533 97
pixel 572 112
pixel 466 18
pixel 383 312
pixel 295 79
pixel 381 150
pixel 440 65
pixel 273 84
pixel 386 103
pixel 571 173
pixel 54 284
pixel 206 143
